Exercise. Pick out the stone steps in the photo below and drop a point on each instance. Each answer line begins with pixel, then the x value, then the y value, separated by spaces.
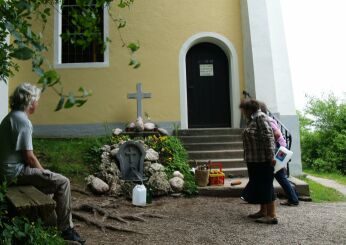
pixel 209 131
pixel 218 145
pixel 208 146
pixel 224 146
pixel 234 191
pixel 216 154
pixel 210 138
pixel 226 163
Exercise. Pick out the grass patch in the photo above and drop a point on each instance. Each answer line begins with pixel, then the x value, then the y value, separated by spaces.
pixel 67 156
pixel 320 193
pixel 333 176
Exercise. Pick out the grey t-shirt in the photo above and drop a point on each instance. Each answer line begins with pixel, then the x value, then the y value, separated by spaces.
pixel 15 136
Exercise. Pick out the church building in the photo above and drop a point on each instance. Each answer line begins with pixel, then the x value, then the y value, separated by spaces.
pixel 197 59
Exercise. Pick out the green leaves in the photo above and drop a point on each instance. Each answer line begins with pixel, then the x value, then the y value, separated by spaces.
pixel 125 3
pixel 49 78
pixel 60 103
pixel 133 47
pixel 323 131
pixel 70 100
pixel 23 53
pixel 27 43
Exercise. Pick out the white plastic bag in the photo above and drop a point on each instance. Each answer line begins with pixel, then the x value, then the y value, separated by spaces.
pixel 282 156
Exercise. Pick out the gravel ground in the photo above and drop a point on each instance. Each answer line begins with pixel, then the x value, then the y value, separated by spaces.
pixel 210 220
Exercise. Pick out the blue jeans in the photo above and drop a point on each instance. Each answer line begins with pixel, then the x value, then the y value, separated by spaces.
pixel 291 194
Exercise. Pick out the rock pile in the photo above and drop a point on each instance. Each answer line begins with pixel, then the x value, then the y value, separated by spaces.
pixel 108 179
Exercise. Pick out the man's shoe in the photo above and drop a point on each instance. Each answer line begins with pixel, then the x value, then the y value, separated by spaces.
pixel 267 220
pixel 256 215
pixel 288 203
pixel 71 235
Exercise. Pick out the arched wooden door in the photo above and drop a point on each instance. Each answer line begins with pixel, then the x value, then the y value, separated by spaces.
pixel 208 93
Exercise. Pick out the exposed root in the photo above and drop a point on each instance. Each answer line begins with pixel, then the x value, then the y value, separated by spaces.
pixel 123 218
pixel 80 191
pixel 101 226
pixel 159 216
pixel 132 217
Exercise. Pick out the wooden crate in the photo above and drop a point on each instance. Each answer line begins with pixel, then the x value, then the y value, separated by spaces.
pixel 29 202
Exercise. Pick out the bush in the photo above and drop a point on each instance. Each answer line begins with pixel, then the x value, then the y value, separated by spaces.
pixel 323 134
pixel 174 157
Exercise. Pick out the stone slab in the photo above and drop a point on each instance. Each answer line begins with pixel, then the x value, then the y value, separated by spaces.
pixel 234 191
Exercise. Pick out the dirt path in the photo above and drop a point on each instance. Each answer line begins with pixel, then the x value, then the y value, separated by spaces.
pixel 210 220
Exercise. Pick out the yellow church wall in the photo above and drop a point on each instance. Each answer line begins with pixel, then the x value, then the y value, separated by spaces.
pixel 161 27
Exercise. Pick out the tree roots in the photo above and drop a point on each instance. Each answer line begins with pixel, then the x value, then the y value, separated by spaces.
pixel 114 215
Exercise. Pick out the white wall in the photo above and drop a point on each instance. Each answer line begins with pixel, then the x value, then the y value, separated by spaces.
pixel 3 99
pixel 266 66
pixel 258 63
pixel 282 74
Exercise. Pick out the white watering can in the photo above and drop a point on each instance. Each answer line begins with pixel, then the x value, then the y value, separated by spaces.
pixel 139 195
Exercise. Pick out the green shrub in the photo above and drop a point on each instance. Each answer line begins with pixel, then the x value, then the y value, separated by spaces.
pixel 323 135
pixel 174 157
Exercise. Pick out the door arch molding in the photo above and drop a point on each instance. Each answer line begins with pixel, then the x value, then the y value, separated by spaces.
pixel 232 56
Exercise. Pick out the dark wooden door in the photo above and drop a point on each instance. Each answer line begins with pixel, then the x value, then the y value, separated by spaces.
pixel 208 94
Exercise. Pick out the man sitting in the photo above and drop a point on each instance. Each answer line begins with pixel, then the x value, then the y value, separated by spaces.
pixel 18 161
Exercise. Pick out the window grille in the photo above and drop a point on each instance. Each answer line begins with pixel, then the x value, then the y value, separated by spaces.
pixel 72 53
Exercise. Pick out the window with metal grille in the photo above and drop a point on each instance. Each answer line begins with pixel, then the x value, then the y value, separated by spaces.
pixel 71 52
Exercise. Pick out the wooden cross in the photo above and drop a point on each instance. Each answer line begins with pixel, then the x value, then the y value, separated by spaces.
pixel 139 96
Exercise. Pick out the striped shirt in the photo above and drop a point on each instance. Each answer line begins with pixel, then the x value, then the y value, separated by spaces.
pixel 258 139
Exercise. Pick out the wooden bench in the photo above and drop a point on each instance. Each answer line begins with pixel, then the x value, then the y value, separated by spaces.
pixel 29 202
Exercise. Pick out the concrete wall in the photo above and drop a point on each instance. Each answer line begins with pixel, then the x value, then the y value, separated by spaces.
pixel 268 77
pixel 3 99
pixel 162 27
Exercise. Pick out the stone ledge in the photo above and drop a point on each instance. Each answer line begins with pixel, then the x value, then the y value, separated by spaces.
pixel 234 191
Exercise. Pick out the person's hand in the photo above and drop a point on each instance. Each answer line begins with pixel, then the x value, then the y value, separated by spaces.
pixel 273 162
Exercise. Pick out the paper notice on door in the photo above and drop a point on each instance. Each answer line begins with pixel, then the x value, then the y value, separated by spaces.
pixel 206 70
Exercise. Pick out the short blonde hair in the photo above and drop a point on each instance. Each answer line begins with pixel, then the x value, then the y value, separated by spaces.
pixel 24 96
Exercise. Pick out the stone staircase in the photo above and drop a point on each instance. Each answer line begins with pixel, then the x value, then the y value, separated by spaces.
pixel 225 146
pixel 219 145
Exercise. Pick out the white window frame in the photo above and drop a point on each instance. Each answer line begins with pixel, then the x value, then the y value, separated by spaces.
pixel 58 43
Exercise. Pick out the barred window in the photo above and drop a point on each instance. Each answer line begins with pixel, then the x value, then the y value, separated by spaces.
pixel 72 53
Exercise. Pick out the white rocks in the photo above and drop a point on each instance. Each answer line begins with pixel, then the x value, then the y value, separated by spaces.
pixel 151 155
pixel 178 174
pixel 149 126
pixel 159 183
pixel 97 185
pixel 177 184
pixel 106 148
pixel 117 131
pixel 163 131
pixel 131 125
pixel 105 157
pixel 139 124
pixel 116 189
pixel 153 168
pixel 114 152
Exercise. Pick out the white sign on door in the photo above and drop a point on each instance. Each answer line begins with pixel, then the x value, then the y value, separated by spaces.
pixel 206 70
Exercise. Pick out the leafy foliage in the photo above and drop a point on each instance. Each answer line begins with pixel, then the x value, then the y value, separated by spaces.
pixel 16 22
pixel 19 230
pixel 174 157
pixel 323 134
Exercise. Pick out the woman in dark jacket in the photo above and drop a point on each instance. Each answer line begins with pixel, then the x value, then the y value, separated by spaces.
pixel 259 148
